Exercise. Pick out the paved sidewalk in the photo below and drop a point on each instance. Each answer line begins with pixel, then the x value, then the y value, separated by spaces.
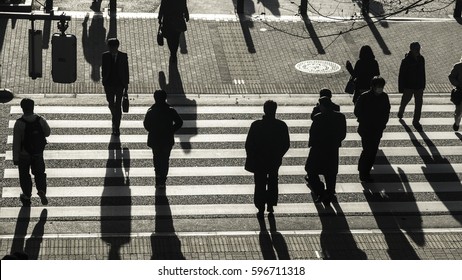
pixel 216 57
pixel 253 246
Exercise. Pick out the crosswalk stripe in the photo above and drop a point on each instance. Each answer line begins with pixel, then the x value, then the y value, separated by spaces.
pixel 138 110
pixel 243 189
pixel 209 171
pixel 232 153
pixel 213 138
pixel 215 123
pixel 226 209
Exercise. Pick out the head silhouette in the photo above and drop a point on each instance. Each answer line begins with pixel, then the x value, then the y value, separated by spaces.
pixel 113 44
pixel 270 108
pixel 160 96
pixel 325 93
pixel 366 53
pixel 27 105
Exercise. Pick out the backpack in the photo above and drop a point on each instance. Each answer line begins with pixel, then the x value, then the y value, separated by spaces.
pixel 34 138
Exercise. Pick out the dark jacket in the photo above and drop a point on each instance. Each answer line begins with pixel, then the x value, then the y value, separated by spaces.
pixel 173 14
pixel 115 73
pixel 363 73
pixel 455 77
pixel 326 135
pixel 317 110
pixel 412 73
pixel 161 121
pixel 372 112
pixel 267 142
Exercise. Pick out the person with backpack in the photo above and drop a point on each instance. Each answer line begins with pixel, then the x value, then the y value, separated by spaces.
pixel 29 140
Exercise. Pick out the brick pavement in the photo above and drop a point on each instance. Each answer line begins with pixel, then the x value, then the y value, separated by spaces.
pixel 218 59
pixel 260 245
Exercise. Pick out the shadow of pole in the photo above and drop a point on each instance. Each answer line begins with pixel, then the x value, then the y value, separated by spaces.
pixel 313 35
pixel 377 35
pixel 246 24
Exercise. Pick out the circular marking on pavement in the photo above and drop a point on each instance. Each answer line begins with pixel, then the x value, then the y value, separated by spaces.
pixel 318 67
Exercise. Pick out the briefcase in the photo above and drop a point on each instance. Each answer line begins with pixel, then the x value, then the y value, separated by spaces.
pixel 125 102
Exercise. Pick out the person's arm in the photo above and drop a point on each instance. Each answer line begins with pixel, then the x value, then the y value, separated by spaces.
pixel 161 12
pixel 18 135
pixel 177 121
pixel 186 12
pixel 45 127
pixel 454 75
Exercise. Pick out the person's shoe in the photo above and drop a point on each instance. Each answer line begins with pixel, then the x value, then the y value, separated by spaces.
pixel 455 127
pixel 43 197
pixel 400 115
pixel 319 199
pixel 270 209
pixel 417 125
pixel 25 200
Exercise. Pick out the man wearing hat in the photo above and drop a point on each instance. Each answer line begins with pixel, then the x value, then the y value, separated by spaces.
pixel 326 135
pixel 411 82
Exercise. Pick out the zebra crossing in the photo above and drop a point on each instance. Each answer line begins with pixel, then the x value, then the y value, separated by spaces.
pixel 415 172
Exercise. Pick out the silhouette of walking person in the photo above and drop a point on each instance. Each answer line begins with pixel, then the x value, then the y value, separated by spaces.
pixel 372 111
pixel 455 77
pixel 115 80
pixel 411 82
pixel 324 93
pixel 365 69
pixel 326 135
pixel 161 122
pixel 172 16
pixel 267 142
pixel 28 145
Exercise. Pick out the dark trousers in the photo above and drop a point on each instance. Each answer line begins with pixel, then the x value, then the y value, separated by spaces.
pixel 161 158
pixel 318 187
pixel 418 98
pixel 114 100
pixel 173 42
pixel 37 165
pixel 266 188
pixel 370 143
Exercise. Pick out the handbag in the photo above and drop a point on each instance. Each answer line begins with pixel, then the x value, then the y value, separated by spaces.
pixel 350 86
pixel 160 36
pixel 456 96
pixel 125 102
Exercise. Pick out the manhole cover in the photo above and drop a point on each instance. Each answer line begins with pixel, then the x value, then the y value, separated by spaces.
pixel 317 67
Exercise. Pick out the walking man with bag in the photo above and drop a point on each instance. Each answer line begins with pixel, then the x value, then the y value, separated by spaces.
pixel 172 17
pixel 412 82
pixel 455 77
pixel 267 142
pixel 28 145
pixel 115 75
pixel 161 122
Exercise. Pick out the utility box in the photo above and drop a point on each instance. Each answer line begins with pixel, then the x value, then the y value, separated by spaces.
pixel 64 58
pixel 35 53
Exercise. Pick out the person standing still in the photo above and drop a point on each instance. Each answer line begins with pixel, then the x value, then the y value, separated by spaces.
pixel 172 16
pixel 267 142
pixel 455 77
pixel 161 122
pixel 326 135
pixel 412 82
pixel 115 78
pixel 372 111
pixel 28 145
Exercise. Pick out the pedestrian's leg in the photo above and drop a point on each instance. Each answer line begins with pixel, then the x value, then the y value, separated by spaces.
pixel 315 183
pixel 161 165
pixel 110 97
pixel 259 198
pixel 373 147
pixel 25 180
pixel 40 177
pixel 272 193
pixel 405 98
pixel 457 116
pixel 331 180
pixel 418 97
pixel 173 42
